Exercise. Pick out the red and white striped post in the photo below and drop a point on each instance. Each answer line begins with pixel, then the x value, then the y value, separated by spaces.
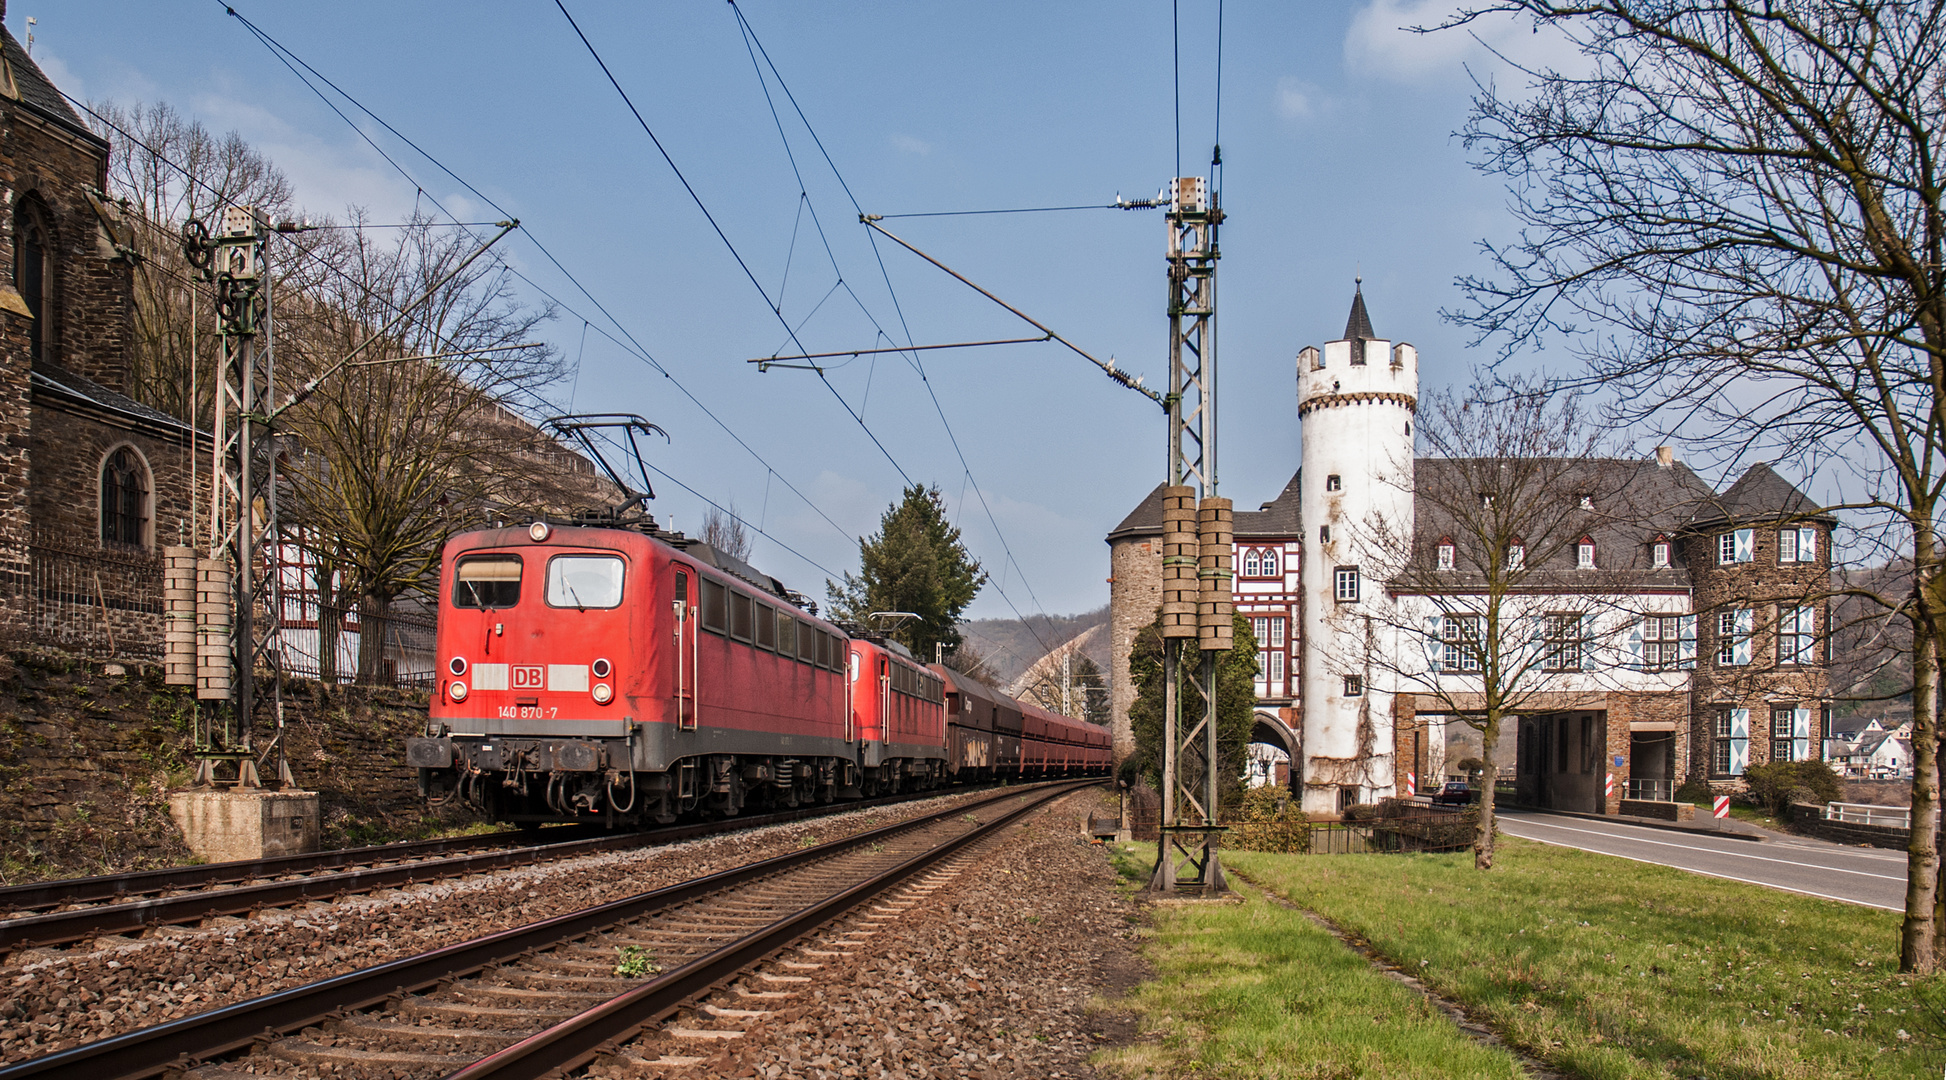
pixel 1722 808
pixel 1411 784
pixel 1608 789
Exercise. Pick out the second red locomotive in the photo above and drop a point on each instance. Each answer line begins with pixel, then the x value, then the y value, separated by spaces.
pixel 632 676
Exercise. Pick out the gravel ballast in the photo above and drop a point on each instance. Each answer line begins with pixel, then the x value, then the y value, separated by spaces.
pixel 51 999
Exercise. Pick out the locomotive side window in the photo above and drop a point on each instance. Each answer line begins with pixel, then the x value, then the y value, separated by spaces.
pixel 766 628
pixel 807 643
pixel 716 614
pixel 584 581
pixel 786 634
pixel 487 581
pixel 740 616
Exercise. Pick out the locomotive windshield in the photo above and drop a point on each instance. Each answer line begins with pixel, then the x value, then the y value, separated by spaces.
pixel 489 581
pixel 584 581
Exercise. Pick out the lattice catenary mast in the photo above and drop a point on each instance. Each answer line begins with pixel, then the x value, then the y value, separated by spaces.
pixel 1196 552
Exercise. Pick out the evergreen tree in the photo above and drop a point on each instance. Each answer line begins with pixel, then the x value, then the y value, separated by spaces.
pixel 916 563
pixel 1236 702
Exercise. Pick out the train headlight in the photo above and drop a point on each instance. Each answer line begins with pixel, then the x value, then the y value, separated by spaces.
pixel 603 693
pixel 538 531
pixel 457 665
pixel 602 668
pixel 456 691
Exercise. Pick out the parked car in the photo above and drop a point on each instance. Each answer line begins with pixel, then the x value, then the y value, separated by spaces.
pixel 1455 793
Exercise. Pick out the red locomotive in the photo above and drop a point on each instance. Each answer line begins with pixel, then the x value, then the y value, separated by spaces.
pixel 628 676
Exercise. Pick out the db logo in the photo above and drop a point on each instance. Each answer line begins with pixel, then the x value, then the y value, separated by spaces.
pixel 529 677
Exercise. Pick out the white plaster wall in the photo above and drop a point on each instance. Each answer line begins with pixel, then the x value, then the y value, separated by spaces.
pixel 1613 668
pixel 1366 442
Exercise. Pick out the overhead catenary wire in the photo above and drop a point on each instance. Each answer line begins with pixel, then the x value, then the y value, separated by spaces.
pixel 629 345
pixel 754 42
pixel 721 235
pixel 626 342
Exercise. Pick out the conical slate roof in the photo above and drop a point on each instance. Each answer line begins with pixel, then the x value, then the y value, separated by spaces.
pixel 1759 495
pixel 1359 326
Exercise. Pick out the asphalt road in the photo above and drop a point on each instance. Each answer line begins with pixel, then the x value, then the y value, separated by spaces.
pixel 1856 875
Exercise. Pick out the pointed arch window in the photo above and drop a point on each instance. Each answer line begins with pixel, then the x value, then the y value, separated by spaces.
pixel 125 498
pixel 34 276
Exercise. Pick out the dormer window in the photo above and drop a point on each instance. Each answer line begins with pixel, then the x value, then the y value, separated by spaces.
pixel 1584 554
pixel 1486 500
pixel 1659 553
pixel 1516 555
pixel 1447 554
pixel 1587 502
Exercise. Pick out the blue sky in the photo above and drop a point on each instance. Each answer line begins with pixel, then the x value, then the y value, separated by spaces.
pixel 1339 159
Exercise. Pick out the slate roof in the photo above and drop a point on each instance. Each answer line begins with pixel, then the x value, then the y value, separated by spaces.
pixel 1276 519
pixel 64 389
pixel 1359 326
pixel 37 90
pixel 1759 495
pixel 1630 504
pixel 1144 520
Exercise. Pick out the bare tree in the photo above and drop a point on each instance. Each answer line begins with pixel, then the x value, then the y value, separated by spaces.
pixel 1733 211
pixel 390 456
pixel 1511 588
pixel 170 169
pixel 725 533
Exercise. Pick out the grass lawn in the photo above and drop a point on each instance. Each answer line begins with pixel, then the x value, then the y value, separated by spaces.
pixel 1256 990
pixel 1604 968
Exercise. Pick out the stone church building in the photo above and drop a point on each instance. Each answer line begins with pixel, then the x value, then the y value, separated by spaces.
pixel 1697 640
pixel 91 481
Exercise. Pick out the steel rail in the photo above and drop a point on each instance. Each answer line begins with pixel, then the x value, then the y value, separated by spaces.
pixel 180 1044
pixel 62 927
pixel 581 1038
pixel 87 890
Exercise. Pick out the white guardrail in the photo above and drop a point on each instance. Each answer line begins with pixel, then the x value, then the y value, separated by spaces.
pixel 1897 817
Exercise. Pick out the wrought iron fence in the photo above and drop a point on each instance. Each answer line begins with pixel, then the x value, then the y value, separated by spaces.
pixel 327 642
pixel 1420 832
pixel 103 602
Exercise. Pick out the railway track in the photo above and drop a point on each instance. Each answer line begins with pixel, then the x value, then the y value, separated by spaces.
pixel 62 912
pixel 555 994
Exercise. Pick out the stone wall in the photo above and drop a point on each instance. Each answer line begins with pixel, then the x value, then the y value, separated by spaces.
pixel 1809 820
pixel 69 452
pixel 86 759
pixel 93 295
pixel 1760 585
pixel 1134 596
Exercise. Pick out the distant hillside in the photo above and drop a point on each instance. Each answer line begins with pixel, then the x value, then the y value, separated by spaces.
pixel 1011 645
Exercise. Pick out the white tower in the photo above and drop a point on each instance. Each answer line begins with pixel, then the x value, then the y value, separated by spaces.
pixel 1355 404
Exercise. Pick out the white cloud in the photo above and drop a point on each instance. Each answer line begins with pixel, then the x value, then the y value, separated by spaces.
pixel 58 73
pixel 1382 44
pixel 911 145
pixel 1297 99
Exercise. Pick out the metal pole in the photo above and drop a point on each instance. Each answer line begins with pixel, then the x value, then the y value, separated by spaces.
pixel 1190 813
